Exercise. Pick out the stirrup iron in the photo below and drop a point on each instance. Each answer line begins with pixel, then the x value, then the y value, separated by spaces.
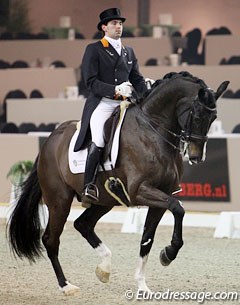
pixel 91 192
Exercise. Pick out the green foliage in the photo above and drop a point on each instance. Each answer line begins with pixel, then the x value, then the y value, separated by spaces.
pixel 19 171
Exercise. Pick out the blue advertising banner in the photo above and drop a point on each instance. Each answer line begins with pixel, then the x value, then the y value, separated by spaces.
pixel 208 181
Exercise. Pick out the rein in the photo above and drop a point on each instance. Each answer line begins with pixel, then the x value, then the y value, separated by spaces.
pixel 151 124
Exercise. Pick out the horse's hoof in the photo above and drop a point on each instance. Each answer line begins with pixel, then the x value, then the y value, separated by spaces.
pixel 103 276
pixel 164 260
pixel 69 289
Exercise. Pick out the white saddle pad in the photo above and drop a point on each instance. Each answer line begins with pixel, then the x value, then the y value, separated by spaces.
pixel 77 159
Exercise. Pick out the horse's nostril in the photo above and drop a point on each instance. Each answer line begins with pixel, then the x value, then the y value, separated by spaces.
pixel 195 160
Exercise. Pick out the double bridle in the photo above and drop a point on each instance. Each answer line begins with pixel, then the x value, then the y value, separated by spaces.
pixel 186 135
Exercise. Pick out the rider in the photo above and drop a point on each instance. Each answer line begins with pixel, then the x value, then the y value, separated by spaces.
pixel 110 72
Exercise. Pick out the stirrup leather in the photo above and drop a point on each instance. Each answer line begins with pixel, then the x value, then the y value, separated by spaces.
pixel 91 191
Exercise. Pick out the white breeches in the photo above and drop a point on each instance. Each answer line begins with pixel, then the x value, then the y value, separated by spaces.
pixel 99 116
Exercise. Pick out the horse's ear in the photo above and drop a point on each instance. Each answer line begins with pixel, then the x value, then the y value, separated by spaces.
pixel 201 94
pixel 221 89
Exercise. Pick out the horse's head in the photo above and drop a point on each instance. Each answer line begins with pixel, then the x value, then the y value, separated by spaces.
pixel 195 119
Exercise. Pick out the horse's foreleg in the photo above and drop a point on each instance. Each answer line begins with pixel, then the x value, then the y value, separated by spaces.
pixel 85 224
pixel 153 217
pixel 153 197
pixel 169 253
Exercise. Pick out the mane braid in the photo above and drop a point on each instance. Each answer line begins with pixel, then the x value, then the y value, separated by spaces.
pixel 170 76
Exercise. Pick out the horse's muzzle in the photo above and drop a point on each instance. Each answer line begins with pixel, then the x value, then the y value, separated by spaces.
pixel 196 152
pixel 195 160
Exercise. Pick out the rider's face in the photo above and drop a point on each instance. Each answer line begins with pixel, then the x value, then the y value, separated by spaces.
pixel 113 29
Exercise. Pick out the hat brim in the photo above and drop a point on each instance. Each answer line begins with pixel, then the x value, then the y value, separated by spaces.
pixel 106 20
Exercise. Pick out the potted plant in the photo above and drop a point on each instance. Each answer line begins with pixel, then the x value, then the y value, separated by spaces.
pixel 17 175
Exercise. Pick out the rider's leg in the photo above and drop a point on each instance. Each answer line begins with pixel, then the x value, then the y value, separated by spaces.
pixel 90 190
pixel 102 112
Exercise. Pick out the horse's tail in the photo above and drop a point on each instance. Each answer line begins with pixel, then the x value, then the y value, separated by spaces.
pixel 24 227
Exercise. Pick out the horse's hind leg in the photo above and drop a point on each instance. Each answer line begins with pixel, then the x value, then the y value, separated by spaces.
pixel 153 218
pixel 59 204
pixel 85 225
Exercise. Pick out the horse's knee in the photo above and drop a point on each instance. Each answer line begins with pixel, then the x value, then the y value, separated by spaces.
pixel 176 208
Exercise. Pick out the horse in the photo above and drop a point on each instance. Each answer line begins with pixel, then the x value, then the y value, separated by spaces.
pixel 168 124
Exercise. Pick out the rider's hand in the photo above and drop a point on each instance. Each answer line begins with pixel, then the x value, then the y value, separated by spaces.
pixel 149 82
pixel 124 89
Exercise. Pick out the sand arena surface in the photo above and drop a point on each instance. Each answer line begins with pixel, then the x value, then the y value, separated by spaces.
pixel 203 264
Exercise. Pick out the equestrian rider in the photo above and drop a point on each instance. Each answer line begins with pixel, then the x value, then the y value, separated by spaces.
pixel 110 72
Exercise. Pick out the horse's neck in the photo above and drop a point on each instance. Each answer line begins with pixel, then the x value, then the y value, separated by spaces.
pixel 161 105
pixel 163 100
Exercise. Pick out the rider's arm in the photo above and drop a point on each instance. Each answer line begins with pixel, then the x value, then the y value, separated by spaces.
pixel 90 73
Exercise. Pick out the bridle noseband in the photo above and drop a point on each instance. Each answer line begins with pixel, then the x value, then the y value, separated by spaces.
pixel 186 132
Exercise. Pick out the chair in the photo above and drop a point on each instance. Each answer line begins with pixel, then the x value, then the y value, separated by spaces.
pixel 234 60
pixel 9 128
pixel 23 36
pixel 223 30
pixel 41 127
pixel 3 115
pixel 219 31
pixel 58 64
pixel 223 61
pixel 228 94
pixel 46 127
pixel 127 33
pixel 27 127
pixel 41 35
pixel 36 94
pixel 215 31
pixel 15 94
pixel 176 34
pixel 190 53
pixel 19 64
pixel 151 62
pixel 50 127
pixel 79 35
pixel 11 95
pixel 97 35
pixel 236 129
pixel 6 36
pixel 4 64
pixel 237 94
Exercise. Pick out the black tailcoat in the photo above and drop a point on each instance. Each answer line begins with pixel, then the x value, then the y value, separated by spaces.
pixel 103 69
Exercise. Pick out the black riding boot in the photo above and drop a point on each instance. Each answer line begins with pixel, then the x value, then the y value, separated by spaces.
pixel 90 192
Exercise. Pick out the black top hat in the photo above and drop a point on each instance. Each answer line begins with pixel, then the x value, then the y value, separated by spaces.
pixel 108 15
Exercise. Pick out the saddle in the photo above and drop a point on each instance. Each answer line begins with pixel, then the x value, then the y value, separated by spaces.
pixel 110 128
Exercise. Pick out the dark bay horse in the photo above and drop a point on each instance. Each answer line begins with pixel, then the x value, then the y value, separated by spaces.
pixel 171 121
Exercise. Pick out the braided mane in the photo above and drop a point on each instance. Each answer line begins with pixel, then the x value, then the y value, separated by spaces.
pixel 173 75
pixel 183 74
